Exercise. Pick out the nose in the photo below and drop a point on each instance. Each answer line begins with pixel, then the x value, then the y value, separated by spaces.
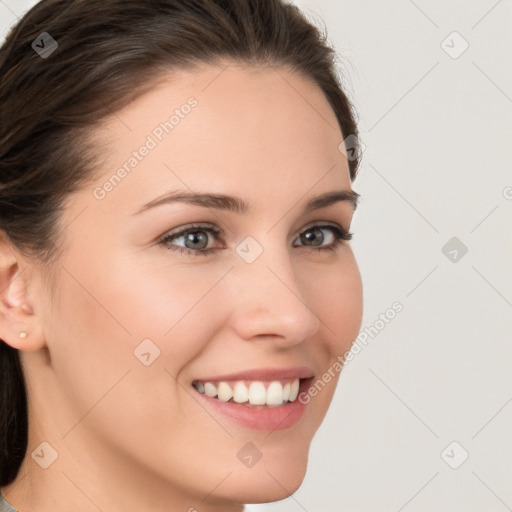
pixel 269 302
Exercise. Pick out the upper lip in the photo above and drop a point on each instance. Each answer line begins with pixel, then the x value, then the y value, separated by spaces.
pixel 264 374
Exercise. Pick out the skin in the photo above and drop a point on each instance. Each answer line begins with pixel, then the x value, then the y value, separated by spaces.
pixel 133 437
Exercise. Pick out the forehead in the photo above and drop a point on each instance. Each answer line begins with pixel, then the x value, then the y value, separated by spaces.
pixel 237 126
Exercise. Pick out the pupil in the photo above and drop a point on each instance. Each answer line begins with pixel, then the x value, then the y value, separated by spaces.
pixel 195 238
pixel 311 235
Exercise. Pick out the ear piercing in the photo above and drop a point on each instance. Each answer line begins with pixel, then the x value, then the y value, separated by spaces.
pixel 23 334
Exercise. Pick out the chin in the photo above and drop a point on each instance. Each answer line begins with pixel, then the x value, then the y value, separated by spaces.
pixel 266 482
pixel 272 493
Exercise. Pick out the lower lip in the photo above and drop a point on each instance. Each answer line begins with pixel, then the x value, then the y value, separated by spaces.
pixel 261 417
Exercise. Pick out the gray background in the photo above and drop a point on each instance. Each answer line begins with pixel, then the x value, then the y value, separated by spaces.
pixel 436 166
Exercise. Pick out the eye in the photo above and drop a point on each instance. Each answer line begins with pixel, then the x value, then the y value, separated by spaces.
pixel 196 239
pixel 314 234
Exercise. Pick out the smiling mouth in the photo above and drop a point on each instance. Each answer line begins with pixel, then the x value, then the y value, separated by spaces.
pixel 275 393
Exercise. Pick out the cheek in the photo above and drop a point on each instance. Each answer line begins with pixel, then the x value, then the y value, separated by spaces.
pixel 169 304
pixel 337 298
pixel 102 318
pixel 90 349
pixel 335 295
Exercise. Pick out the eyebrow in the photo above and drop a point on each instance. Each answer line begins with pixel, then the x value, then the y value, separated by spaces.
pixel 237 205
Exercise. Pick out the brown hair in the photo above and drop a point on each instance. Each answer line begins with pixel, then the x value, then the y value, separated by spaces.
pixel 103 48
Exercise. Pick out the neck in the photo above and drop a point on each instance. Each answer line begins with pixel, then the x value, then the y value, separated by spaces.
pixel 88 476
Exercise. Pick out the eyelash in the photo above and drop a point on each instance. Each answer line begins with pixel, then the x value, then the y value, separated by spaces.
pixel 340 234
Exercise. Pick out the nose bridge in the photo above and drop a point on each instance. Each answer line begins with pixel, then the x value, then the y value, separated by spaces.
pixel 269 299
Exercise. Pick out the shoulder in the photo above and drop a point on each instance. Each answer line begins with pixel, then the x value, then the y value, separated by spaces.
pixel 5 506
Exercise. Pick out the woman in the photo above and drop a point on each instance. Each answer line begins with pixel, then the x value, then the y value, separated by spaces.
pixel 177 286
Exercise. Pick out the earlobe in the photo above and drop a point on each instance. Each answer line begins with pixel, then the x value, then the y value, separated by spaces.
pixel 17 318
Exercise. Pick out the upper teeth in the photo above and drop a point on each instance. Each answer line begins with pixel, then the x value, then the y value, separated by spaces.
pixel 256 393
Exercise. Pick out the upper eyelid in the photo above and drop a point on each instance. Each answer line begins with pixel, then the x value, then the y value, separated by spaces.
pixel 221 231
pixel 322 223
pixel 180 231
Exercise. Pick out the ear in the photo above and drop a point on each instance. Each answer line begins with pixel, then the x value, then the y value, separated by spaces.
pixel 16 305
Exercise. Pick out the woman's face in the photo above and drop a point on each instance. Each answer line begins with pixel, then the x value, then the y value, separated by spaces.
pixel 233 294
